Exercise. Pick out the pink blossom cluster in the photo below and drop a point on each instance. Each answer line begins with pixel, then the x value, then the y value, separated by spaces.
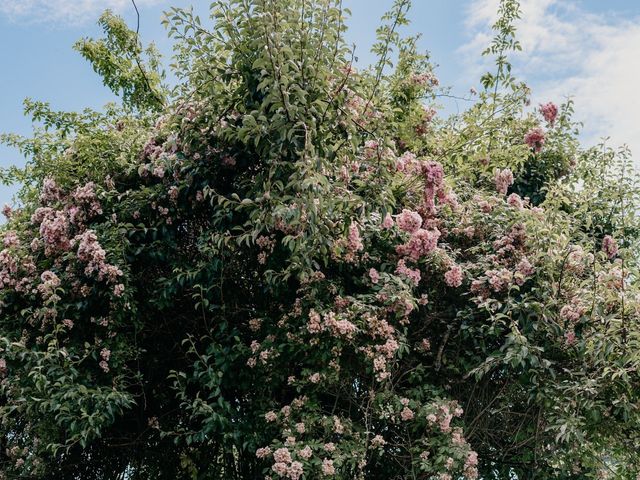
pixel 524 269
pixel 371 148
pixel 91 253
pixel 407 163
pixel 471 466
pixel 535 138
pixel 499 279
pixel 572 312
pixel 266 244
pixel 105 355
pixel 339 327
pixel 609 246
pixel 578 259
pixel 421 243
pixel 328 469
pixel 409 221
pixel 412 274
pixel 50 192
pixel 380 368
pixel 284 465
pixel 424 79
pixel 503 179
pixel 549 111
pixel 407 414
pixel 511 245
pixel 10 266
pixel 388 222
pixel 378 441
pixel 86 198
pixel 50 281
pixel 433 174
pixel 11 239
pixel 151 150
pixel 514 200
pixel 374 276
pixel 454 276
pixel 54 229
pixel 354 240
pixel 7 211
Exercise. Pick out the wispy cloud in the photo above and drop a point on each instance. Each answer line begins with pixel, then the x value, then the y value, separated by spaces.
pixel 568 51
pixel 66 12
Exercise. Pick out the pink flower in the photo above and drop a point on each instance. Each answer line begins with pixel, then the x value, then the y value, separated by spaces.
pixel 503 179
pixel 411 274
pixel 535 138
pixel 295 470
pixel 337 426
pixel 609 246
pixel 263 452
pixel 499 279
pixel 67 322
pixel 54 229
pixel 354 239
pixel 228 161
pixel 407 163
pixel 524 269
pixel 406 414
pixel 572 312
pixel 515 201
pixel 7 210
pixel 549 111
pixel 158 171
pixel 453 277
pixel 445 423
pixel 374 275
pixel 282 455
pixel 434 179
pixel 421 243
pixel 389 348
pixel 378 441
pixel 50 282
pixel 280 468
pixel 327 467
pixel 118 290
pixel 270 416
pixel 570 337
pixel 306 453
pixel 313 325
pixel 409 221
pixel 388 222
pixel 50 191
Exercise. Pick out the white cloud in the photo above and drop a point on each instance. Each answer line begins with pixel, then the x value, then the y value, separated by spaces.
pixel 68 12
pixel 568 51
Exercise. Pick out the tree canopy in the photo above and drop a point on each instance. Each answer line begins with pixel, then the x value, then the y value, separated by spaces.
pixel 283 267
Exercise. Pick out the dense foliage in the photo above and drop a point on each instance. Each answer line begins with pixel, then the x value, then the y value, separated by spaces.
pixel 286 268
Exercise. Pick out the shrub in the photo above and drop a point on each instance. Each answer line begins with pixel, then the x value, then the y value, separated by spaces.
pixel 286 268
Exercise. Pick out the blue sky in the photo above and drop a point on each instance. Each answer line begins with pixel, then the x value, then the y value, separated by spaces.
pixel 585 48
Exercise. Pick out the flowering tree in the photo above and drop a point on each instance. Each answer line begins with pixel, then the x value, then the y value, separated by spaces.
pixel 285 268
